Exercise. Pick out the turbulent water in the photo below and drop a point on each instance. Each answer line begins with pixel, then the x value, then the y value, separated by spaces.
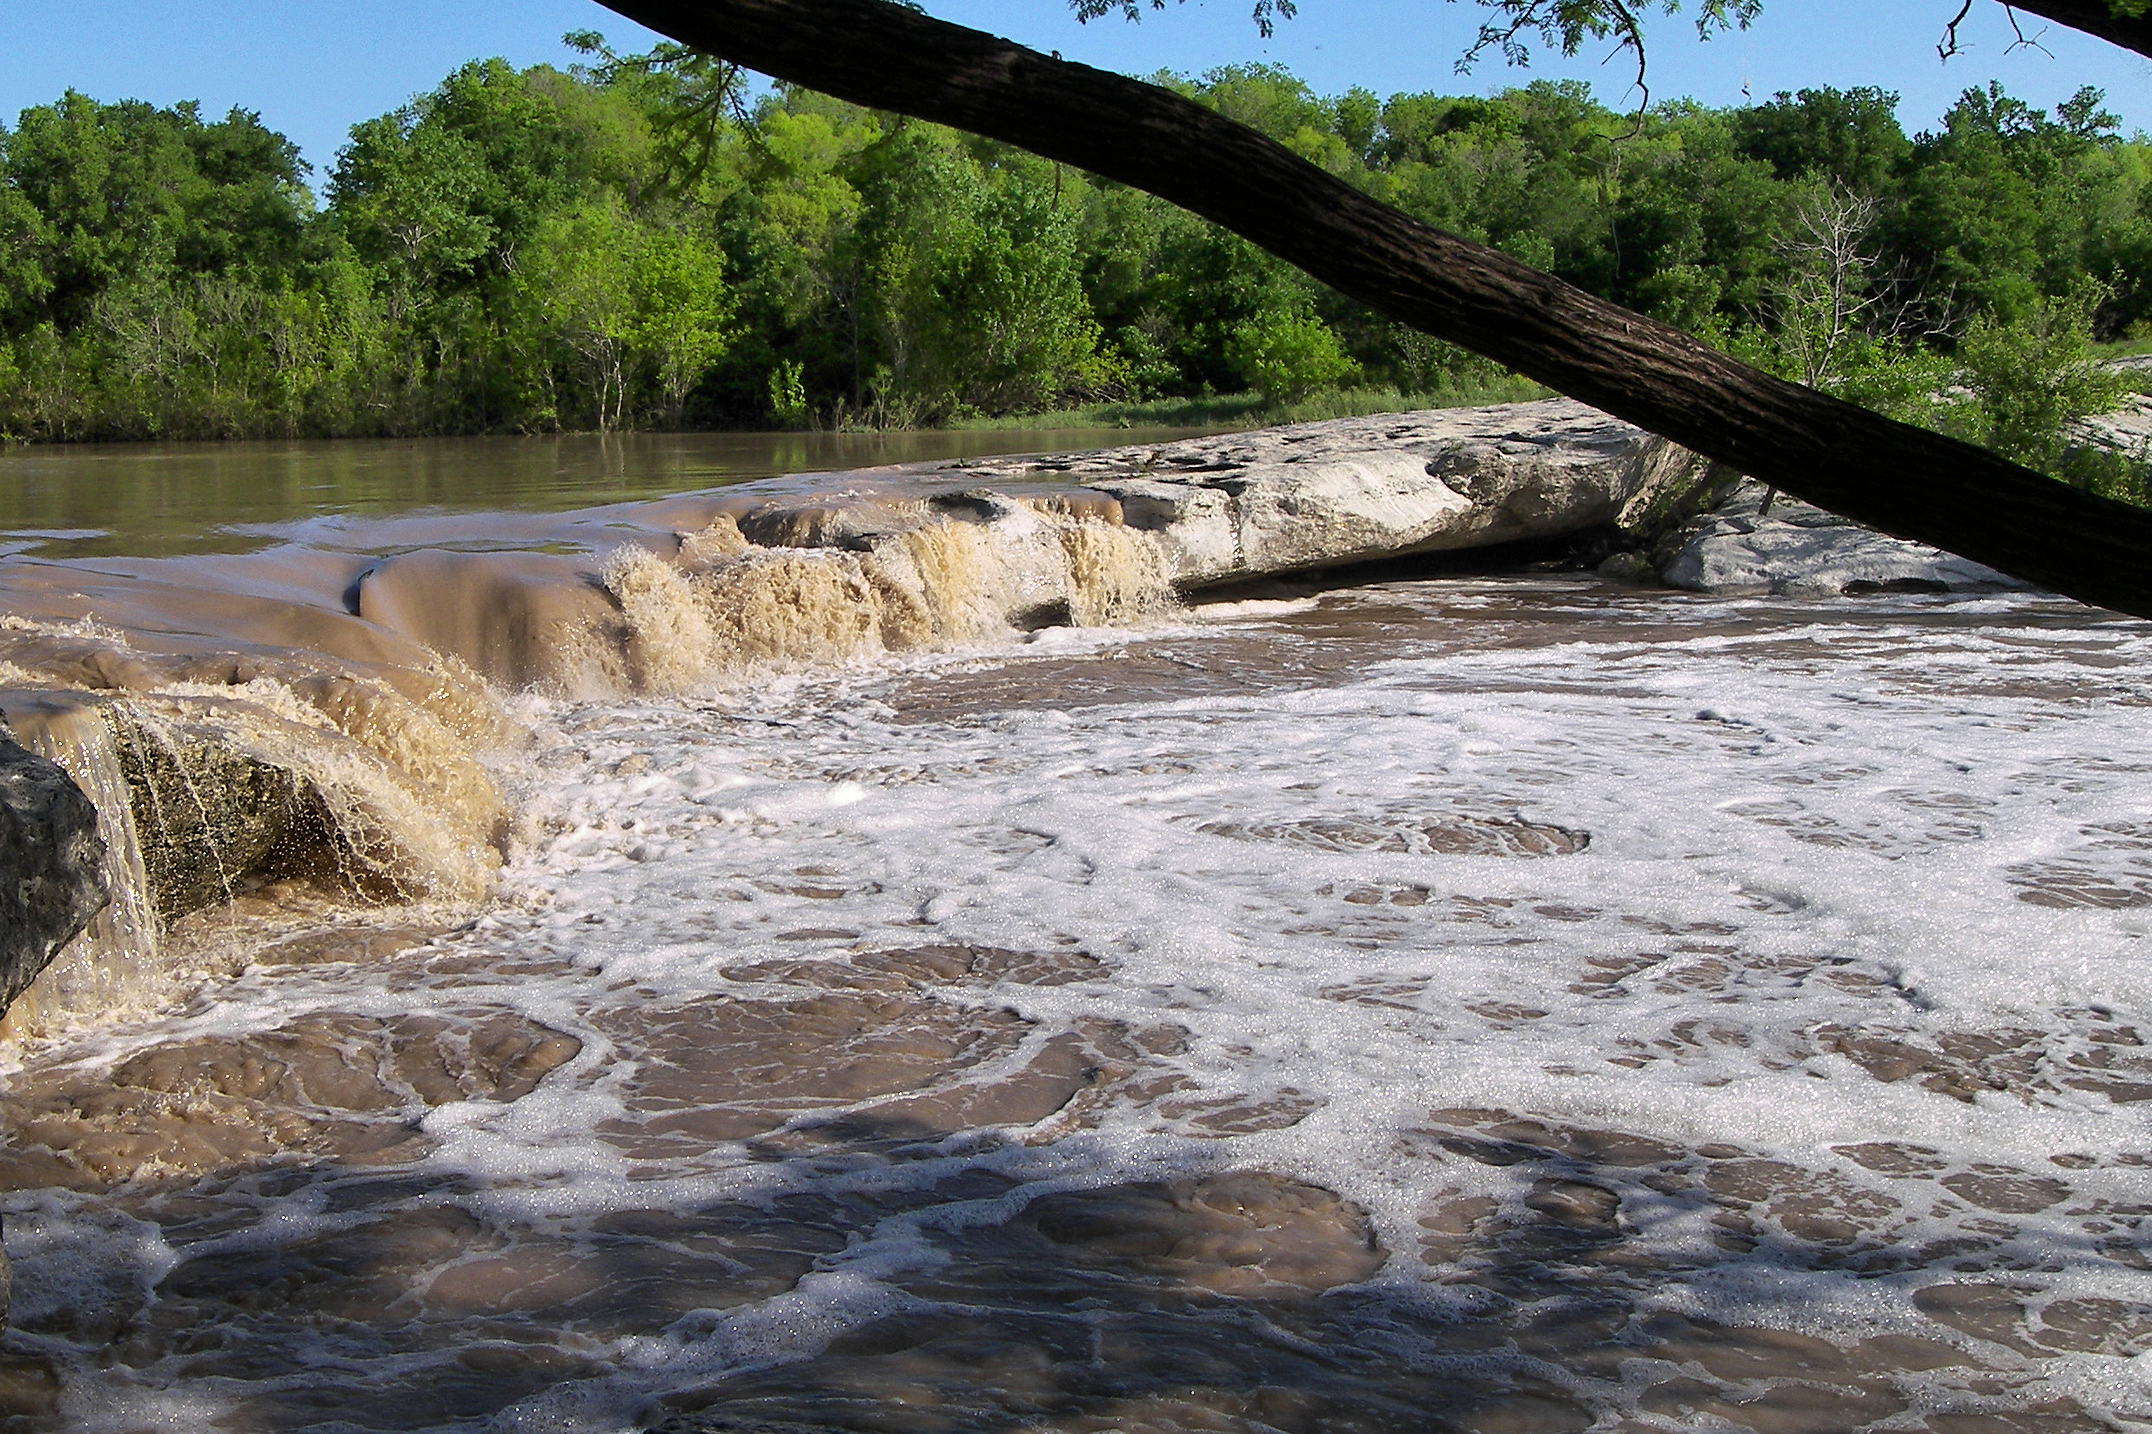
pixel 1485 1004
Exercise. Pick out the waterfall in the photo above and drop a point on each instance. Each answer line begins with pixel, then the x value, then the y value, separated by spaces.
pixel 113 963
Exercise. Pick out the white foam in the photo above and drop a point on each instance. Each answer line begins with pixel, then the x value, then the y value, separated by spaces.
pixel 1817 824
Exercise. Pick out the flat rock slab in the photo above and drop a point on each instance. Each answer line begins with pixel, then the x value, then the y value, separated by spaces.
pixel 1351 490
pixel 1793 549
pixel 794 570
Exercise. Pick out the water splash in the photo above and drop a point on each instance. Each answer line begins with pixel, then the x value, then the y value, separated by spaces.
pixel 1117 575
pixel 728 607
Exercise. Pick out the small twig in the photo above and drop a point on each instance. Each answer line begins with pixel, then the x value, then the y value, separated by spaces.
pixel 2031 44
pixel 1632 39
pixel 1504 40
pixel 1949 44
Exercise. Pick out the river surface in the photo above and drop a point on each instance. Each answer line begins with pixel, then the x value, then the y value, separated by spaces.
pixel 158 500
pixel 1475 1003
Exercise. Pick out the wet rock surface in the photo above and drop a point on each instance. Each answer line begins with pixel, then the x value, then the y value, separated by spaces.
pixel 211 816
pixel 333 1086
pixel 52 877
pixel 1355 490
pixel 927 555
pixel 220 767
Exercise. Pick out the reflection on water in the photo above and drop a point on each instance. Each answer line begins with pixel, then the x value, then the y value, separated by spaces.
pixel 166 499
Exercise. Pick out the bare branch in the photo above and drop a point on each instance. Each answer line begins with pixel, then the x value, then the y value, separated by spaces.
pixel 2022 41
pixel 1633 39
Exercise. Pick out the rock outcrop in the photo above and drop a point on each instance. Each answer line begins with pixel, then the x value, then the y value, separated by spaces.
pixel 1355 490
pixel 52 879
pixel 1756 544
pixel 211 815
pixel 925 554
pixel 2127 429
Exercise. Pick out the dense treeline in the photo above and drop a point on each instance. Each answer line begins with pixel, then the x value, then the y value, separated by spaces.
pixel 640 241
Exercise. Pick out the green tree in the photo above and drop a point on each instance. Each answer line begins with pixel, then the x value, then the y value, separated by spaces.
pixel 2032 377
pixel 123 189
pixel 1287 354
pixel 634 308
pixel 1848 137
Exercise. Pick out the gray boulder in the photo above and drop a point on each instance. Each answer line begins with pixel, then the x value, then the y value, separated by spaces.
pixel 2127 429
pixel 52 873
pixel 1353 490
pixel 1792 549
pixel 52 878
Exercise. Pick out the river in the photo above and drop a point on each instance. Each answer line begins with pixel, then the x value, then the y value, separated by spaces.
pixel 1485 1003
pixel 160 500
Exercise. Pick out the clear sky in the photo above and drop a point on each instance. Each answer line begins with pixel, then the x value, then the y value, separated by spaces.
pixel 312 68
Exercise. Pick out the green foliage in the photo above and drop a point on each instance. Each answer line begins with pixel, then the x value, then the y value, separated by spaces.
pixel 788 394
pixel 2032 377
pixel 1287 354
pixel 1849 137
pixel 2122 476
pixel 628 309
pixel 642 240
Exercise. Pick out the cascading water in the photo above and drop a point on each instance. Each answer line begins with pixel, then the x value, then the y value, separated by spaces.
pixel 1514 1004
pixel 237 777
pixel 728 607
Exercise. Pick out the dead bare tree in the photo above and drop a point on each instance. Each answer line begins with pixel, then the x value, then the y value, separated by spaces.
pixel 1830 294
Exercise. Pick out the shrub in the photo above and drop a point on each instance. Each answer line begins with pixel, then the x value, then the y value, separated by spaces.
pixel 1287 354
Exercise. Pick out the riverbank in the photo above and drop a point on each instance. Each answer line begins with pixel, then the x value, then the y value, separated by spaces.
pixel 1254 410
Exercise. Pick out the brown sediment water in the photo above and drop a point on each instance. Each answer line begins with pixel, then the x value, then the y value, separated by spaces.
pixel 823 1004
pixel 165 500
pixel 311 686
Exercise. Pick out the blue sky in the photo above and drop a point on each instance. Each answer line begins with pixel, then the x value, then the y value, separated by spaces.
pixel 315 67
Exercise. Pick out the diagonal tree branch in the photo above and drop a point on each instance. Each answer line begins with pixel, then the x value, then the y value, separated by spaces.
pixel 1901 479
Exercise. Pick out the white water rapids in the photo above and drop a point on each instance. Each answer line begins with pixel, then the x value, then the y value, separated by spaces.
pixel 1481 1004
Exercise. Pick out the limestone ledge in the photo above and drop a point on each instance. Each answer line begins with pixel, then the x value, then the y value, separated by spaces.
pixel 923 554
pixel 1356 490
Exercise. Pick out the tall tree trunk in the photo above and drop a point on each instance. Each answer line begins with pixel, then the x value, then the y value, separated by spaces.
pixel 1901 479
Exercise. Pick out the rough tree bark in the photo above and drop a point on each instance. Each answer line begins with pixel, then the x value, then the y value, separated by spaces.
pixel 1904 480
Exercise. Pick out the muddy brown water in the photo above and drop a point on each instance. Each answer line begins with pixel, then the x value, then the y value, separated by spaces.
pixel 159 500
pixel 721 1117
